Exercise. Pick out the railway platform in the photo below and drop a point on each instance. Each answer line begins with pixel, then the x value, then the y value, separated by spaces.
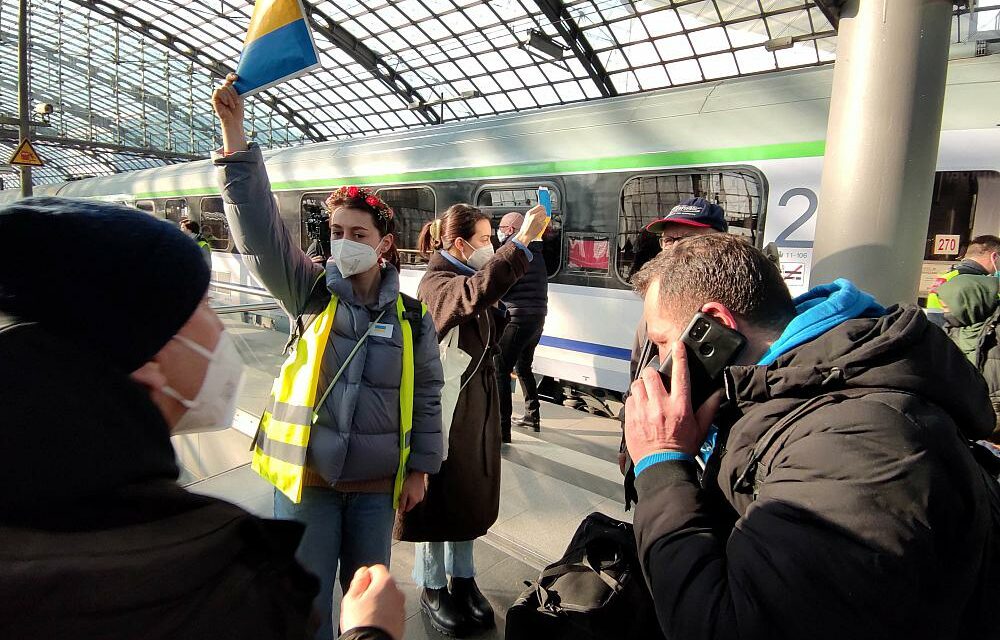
pixel 550 481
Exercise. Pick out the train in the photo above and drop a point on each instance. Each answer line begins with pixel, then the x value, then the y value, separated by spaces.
pixel 755 145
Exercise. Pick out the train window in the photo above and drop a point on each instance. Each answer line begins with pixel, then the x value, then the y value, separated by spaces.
pixel 588 253
pixel 176 209
pixel 145 205
pixel 646 198
pixel 414 206
pixel 214 226
pixel 314 220
pixel 497 200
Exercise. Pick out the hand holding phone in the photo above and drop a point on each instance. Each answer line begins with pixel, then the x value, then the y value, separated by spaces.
pixel 545 200
pixel 710 347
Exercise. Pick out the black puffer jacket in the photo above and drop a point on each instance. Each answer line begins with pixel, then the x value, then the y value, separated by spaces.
pixel 529 297
pixel 845 504
pixel 96 538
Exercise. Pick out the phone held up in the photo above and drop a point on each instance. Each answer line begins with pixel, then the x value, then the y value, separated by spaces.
pixel 711 347
pixel 545 199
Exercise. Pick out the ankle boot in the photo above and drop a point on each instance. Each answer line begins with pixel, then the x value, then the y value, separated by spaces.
pixel 478 608
pixel 530 421
pixel 446 614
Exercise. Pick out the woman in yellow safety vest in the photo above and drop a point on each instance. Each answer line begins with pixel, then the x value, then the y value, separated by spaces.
pixel 353 426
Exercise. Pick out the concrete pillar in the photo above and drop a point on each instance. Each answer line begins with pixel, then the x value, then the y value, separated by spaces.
pixel 882 144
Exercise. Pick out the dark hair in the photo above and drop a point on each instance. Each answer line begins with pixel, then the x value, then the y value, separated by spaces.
pixel 719 268
pixel 381 213
pixel 983 244
pixel 191 226
pixel 459 221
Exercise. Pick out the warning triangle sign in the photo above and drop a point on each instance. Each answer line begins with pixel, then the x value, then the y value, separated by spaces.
pixel 26 155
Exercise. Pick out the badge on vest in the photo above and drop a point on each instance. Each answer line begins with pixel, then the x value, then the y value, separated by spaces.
pixel 382 330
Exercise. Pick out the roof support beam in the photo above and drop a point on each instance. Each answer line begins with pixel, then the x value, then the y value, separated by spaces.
pixel 371 61
pixel 91 145
pixel 565 24
pixel 199 57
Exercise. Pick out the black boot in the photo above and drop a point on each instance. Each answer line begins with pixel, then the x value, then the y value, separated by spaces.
pixel 446 613
pixel 530 421
pixel 467 594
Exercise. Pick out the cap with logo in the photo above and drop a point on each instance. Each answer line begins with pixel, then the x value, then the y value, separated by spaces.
pixel 693 212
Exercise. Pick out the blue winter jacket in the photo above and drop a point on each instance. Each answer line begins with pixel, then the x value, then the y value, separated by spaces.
pixel 357 434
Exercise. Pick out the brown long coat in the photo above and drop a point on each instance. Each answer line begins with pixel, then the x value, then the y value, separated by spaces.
pixel 463 499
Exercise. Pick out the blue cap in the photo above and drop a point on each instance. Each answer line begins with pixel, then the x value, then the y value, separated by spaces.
pixel 693 212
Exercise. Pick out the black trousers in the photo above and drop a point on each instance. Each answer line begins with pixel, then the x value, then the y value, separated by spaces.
pixel 517 350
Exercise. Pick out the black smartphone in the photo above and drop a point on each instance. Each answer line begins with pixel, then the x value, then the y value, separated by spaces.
pixel 711 347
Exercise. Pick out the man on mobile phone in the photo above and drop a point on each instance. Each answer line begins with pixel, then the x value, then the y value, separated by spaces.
pixel 691 217
pixel 843 497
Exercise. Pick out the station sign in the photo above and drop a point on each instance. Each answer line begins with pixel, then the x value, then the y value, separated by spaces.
pixel 25 155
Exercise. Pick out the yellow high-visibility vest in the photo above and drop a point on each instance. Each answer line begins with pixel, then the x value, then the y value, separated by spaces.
pixel 279 449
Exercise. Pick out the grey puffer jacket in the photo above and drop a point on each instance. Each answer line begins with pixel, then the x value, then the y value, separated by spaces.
pixel 356 437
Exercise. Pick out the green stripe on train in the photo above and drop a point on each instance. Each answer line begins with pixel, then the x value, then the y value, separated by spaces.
pixel 644 161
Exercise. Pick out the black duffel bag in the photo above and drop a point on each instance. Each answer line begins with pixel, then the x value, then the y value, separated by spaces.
pixel 595 591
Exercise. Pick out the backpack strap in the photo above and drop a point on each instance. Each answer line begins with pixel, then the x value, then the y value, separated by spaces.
pixel 414 314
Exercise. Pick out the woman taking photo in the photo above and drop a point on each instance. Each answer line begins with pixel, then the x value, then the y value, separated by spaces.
pixel 462 285
pixel 363 380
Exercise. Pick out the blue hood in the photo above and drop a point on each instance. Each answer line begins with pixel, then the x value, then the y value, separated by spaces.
pixel 821 309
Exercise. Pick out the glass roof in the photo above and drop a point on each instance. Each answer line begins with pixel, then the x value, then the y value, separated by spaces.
pixel 386 64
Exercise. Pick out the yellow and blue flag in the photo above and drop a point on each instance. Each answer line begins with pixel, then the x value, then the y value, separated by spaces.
pixel 279 46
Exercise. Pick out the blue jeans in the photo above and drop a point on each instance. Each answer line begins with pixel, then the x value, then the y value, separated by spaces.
pixel 434 562
pixel 349 529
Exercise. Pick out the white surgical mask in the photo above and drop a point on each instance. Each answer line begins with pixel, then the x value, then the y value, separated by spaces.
pixel 501 236
pixel 352 257
pixel 480 257
pixel 215 405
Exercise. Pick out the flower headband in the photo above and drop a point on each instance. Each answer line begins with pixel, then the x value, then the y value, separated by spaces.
pixel 382 210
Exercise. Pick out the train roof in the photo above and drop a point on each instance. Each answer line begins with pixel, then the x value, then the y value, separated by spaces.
pixel 781 114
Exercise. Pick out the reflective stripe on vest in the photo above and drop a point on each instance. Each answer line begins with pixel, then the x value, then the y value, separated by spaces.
pixel 933 300
pixel 282 440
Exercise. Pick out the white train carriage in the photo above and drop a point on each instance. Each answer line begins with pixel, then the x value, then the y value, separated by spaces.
pixel 755 145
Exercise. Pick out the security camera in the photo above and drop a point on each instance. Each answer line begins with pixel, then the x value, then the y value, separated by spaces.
pixel 43 108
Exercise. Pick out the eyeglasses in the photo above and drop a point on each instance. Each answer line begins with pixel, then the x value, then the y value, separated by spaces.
pixel 666 241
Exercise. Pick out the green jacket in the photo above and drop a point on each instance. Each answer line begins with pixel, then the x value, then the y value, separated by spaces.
pixel 965 267
pixel 972 317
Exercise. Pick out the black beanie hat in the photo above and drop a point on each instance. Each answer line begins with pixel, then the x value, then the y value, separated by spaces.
pixel 108 277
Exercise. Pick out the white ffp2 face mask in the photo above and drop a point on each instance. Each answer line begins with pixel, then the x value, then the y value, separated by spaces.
pixel 352 257
pixel 480 257
pixel 214 407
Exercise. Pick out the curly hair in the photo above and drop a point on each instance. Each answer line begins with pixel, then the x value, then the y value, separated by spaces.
pixel 382 214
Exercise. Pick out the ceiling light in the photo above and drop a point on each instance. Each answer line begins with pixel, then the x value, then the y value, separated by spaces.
pixel 777 44
pixel 544 44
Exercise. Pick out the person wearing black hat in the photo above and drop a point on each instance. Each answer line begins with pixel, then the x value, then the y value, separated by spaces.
pixel 98 539
pixel 690 217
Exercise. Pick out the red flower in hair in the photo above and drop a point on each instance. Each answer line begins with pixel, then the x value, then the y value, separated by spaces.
pixel 373 201
pixel 352 192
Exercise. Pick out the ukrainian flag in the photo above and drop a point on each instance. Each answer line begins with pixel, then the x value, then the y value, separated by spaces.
pixel 279 46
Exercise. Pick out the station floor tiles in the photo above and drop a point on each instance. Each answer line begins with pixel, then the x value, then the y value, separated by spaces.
pixel 550 481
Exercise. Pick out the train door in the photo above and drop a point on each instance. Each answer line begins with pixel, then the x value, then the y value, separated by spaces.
pixel 965 204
